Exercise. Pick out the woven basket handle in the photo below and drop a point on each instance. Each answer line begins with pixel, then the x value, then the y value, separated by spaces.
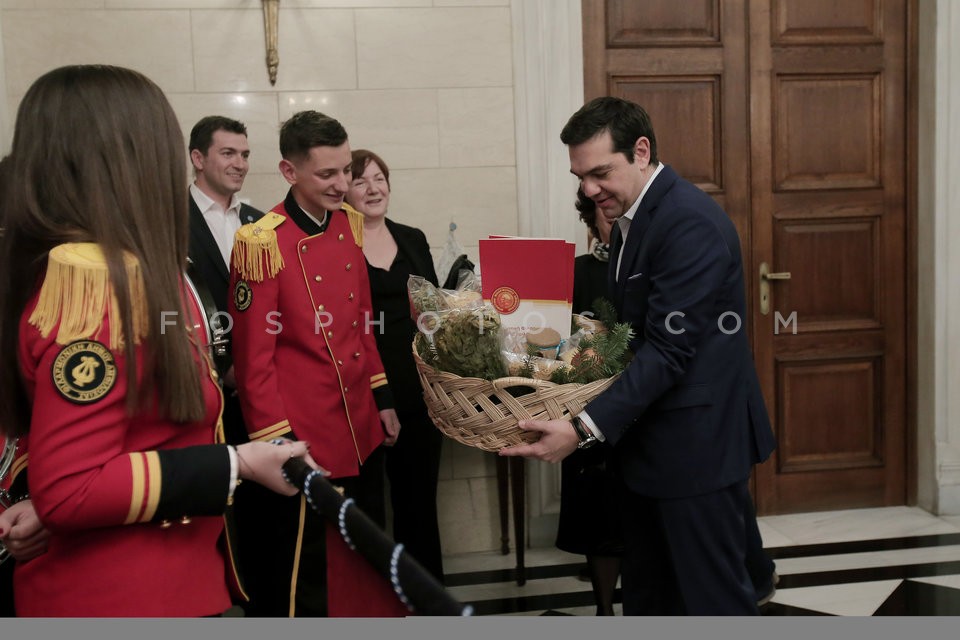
pixel 517 381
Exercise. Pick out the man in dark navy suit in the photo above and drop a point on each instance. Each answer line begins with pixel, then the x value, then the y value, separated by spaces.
pixel 220 154
pixel 686 418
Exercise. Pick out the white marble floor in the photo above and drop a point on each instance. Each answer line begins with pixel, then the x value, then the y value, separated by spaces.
pixel 850 563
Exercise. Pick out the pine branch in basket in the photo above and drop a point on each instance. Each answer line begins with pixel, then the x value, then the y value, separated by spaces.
pixel 604 311
pixel 603 355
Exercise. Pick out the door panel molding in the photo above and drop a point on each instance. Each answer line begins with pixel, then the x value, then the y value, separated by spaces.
pixel 847 258
pixel 688 110
pixel 841 148
pixel 830 417
pixel 657 23
pixel 803 23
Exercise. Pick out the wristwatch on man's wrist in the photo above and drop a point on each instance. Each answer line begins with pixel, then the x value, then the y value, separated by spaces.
pixel 584 433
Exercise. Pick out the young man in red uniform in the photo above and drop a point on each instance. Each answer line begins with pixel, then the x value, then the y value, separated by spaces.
pixel 307 367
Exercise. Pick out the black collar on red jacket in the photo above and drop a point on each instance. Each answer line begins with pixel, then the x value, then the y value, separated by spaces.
pixel 301 219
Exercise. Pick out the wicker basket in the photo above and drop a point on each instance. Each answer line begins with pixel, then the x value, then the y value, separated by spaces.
pixel 483 413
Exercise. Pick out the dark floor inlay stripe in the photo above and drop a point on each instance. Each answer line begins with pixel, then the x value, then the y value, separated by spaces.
pixel 775 609
pixel 921 599
pixel 864 546
pixel 536 603
pixel 510 575
pixel 908 599
pixel 798 551
pixel 868 574
pixel 550 603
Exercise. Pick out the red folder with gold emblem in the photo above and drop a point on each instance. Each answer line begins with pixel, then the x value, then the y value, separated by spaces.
pixel 529 281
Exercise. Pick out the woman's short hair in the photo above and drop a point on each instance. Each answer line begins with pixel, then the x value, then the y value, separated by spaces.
pixel 362 158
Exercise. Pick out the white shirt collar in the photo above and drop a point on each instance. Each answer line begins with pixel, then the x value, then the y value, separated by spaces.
pixel 624 221
pixel 320 222
pixel 628 216
pixel 223 225
pixel 204 202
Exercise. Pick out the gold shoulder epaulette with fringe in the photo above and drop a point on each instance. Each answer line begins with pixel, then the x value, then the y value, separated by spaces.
pixel 256 250
pixel 356 223
pixel 77 294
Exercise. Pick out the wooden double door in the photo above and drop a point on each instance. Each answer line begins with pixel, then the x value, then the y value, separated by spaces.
pixel 793 115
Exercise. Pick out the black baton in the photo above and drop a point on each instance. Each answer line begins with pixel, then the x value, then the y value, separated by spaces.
pixel 415 586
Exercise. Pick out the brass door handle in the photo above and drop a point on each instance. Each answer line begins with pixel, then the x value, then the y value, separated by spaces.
pixel 765 277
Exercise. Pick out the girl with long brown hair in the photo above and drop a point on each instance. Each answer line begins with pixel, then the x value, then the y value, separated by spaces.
pixel 102 361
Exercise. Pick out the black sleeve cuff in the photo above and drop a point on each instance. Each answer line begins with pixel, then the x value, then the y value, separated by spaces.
pixel 383 397
pixel 195 481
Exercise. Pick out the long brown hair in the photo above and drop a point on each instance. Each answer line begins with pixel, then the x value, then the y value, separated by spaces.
pixel 98 157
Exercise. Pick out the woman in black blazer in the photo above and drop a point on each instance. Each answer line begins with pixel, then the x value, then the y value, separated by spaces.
pixel 394 252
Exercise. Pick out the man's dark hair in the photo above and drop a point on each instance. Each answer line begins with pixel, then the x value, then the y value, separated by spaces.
pixel 626 121
pixel 201 136
pixel 306 130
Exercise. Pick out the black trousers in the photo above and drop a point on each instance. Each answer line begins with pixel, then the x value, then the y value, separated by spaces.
pixel 413 465
pixel 234 428
pixel 760 566
pixel 687 556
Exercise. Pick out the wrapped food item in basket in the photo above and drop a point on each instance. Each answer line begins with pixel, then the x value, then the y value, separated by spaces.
pixel 465 342
pixel 524 359
pixel 426 297
pixel 530 366
pixel 458 333
pixel 588 325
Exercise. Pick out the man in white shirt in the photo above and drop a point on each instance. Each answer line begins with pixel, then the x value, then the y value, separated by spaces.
pixel 219 153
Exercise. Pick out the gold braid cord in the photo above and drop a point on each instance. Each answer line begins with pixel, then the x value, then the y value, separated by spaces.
pixel 256 251
pixel 356 223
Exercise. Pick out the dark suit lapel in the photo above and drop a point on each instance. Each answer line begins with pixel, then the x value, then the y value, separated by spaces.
pixel 249 215
pixel 638 227
pixel 203 240
pixel 641 220
pixel 616 242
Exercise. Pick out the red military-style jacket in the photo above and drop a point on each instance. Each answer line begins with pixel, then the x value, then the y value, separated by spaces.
pixel 304 351
pixel 134 503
